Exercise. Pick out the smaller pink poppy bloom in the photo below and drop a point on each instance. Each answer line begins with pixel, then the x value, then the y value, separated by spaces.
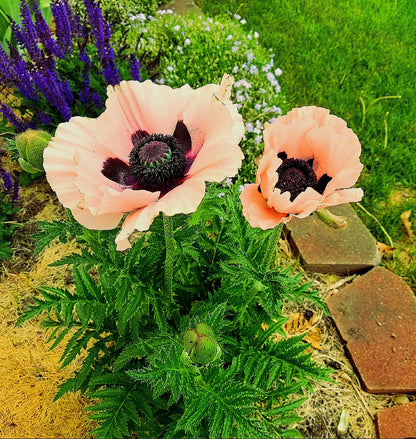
pixel 150 151
pixel 310 161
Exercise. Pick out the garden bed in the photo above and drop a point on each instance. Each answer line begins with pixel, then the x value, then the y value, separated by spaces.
pixel 197 329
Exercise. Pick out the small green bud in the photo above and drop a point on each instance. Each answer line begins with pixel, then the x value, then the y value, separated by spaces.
pixel 30 145
pixel 204 329
pixel 189 339
pixel 205 351
pixel 200 345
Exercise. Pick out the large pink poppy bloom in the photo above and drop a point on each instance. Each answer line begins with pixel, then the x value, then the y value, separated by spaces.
pixel 150 151
pixel 310 161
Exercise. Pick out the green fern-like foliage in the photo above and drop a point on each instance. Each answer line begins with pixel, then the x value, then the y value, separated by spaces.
pixel 116 314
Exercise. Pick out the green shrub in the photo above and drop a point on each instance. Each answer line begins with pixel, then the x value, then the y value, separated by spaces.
pixel 196 50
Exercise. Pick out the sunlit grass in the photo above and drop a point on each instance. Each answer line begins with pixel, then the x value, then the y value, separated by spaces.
pixel 356 58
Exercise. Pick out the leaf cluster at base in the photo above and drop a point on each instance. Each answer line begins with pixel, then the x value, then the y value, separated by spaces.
pixel 129 334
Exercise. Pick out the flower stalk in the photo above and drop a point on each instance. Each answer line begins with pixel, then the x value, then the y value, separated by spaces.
pixel 170 250
pixel 270 252
pixel 330 219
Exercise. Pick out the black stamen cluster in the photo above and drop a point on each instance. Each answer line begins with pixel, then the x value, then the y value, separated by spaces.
pixel 296 175
pixel 160 177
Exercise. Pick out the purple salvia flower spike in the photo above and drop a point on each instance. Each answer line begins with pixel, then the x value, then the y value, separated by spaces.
pixel 62 25
pixel 66 90
pixel 44 118
pixel 23 79
pixel 96 98
pixel 44 33
pixel 7 70
pixel 20 124
pixel 7 180
pixel 134 68
pixel 17 32
pixel 102 34
pixel 74 21
pixel 30 35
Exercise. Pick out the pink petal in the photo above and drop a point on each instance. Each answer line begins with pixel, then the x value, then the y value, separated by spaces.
pixel 197 113
pixel 256 210
pixel 96 222
pixel 279 136
pixel 351 195
pixel 302 206
pixel 333 151
pixel 125 201
pixel 147 106
pixel 267 176
pixel 185 198
pixel 216 128
pixel 345 178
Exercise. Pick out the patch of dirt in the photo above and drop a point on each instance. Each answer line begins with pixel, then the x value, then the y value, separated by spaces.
pixel 401 195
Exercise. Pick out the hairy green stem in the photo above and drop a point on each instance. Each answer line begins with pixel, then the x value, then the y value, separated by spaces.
pixel 170 248
pixel 330 219
pixel 270 252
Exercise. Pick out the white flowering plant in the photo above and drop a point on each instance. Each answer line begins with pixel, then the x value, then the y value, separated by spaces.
pixel 194 50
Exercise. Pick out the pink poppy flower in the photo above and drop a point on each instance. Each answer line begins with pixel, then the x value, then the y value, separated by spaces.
pixel 310 161
pixel 150 151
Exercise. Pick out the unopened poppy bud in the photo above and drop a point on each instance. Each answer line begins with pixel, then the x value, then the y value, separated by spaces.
pixel 204 329
pixel 205 350
pixel 189 339
pixel 200 345
pixel 30 145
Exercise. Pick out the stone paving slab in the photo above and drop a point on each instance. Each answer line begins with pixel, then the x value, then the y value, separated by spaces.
pixel 397 422
pixel 376 316
pixel 323 249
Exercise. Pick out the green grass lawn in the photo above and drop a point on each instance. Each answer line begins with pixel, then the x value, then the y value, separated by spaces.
pixel 354 57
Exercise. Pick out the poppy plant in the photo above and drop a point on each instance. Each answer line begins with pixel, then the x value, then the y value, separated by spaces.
pixel 310 161
pixel 150 151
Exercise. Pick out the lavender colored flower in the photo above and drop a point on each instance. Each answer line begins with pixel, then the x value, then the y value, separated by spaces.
pixel 96 98
pixel 134 68
pixel 62 25
pixel 15 120
pixel 32 68
pixel 7 180
pixel 242 83
pixel 44 33
pixel 7 70
pixel 49 85
pixel 10 187
pixel 30 36
pixel 102 34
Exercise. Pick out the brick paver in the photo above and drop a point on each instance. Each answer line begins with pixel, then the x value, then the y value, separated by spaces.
pixel 376 316
pixel 397 422
pixel 323 249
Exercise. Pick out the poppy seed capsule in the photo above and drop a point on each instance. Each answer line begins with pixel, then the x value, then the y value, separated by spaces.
pixel 30 145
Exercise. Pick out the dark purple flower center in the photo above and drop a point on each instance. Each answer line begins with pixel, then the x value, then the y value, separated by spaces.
pixel 296 175
pixel 157 162
pixel 154 154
